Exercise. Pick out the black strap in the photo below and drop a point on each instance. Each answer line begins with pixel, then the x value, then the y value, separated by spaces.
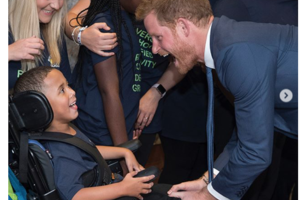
pixel 104 171
pixel 23 159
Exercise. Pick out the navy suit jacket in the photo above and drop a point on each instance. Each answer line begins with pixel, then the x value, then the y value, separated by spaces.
pixel 266 11
pixel 255 62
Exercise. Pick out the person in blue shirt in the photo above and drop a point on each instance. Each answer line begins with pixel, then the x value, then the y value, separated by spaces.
pixel 69 162
pixel 108 88
pixel 36 37
pixel 152 66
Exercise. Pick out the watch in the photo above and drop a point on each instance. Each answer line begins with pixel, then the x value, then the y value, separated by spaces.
pixel 160 89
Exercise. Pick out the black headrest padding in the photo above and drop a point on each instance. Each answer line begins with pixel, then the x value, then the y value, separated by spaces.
pixel 33 109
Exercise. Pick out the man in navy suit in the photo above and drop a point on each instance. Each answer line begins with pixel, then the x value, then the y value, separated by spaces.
pixel 257 63
pixel 279 179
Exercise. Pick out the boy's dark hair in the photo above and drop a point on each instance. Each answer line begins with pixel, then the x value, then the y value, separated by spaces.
pixel 33 79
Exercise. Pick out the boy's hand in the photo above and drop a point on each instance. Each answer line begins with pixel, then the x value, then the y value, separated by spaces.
pixel 134 187
pixel 132 163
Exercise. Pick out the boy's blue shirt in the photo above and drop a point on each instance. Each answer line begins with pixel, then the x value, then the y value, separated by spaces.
pixel 69 164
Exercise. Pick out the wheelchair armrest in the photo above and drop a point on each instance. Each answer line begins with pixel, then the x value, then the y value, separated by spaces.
pixel 132 145
pixel 149 171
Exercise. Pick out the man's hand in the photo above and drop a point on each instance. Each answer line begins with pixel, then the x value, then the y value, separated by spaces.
pixel 191 190
pixel 202 194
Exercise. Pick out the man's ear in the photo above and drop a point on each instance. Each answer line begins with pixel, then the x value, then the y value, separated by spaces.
pixel 183 26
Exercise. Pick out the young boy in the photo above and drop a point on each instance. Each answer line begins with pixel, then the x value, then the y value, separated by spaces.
pixel 69 161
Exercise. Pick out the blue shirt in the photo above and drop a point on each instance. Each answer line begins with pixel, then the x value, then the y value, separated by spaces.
pixel 91 118
pixel 69 163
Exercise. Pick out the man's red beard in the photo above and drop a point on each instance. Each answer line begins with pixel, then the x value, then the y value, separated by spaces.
pixel 184 55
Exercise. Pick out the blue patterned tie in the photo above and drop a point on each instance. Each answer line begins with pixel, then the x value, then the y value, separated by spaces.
pixel 210 123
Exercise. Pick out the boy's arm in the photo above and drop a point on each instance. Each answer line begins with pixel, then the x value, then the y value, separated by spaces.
pixel 129 186
pixel 109 152
pixel 112 191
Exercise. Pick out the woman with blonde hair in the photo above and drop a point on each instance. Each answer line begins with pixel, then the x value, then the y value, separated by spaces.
pixel 36 37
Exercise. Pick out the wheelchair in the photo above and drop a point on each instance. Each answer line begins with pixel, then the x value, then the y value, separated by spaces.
pixel 29 115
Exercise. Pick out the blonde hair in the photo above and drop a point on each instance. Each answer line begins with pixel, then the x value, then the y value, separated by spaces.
pixel 168 11
pixel 24 23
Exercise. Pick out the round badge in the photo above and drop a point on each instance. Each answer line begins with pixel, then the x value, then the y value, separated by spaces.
pixel 286 95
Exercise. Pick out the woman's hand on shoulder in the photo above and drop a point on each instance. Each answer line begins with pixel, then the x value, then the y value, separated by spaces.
pixel 97 41
pixel 25 49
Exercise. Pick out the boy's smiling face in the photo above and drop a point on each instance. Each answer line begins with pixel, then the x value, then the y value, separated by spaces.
pixel 61 97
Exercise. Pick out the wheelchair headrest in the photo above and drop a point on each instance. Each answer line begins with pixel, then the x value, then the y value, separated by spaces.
pixel 31 110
